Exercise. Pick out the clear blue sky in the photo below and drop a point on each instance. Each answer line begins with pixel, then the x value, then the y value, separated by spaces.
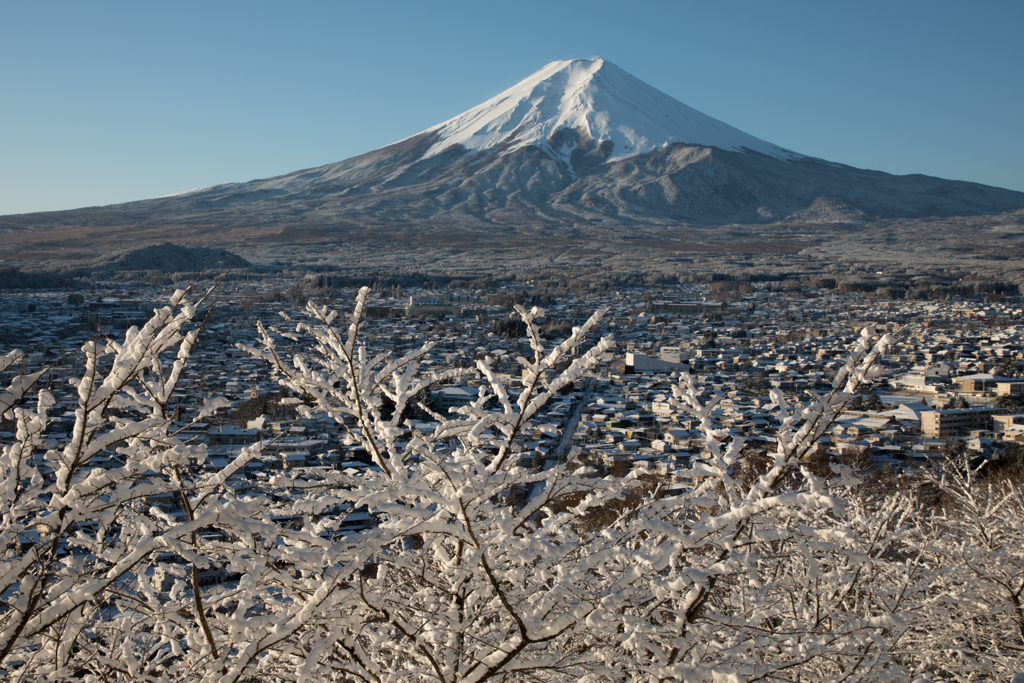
pixel 105 102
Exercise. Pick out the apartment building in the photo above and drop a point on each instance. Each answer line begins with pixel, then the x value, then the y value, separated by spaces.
pixel 941 424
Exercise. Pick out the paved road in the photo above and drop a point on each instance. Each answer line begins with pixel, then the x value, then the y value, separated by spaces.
pixel 569 434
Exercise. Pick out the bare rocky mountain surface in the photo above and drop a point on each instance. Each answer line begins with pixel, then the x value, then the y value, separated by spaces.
pixel 579 166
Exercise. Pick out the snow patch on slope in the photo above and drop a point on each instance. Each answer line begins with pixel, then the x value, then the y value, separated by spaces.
pixel 196 190
pixel 182 193
pixel 599 100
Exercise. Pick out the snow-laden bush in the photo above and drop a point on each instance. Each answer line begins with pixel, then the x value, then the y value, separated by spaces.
pixel 479 566
pixel 970 614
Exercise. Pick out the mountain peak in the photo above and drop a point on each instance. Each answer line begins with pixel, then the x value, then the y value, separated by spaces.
pixel 603 105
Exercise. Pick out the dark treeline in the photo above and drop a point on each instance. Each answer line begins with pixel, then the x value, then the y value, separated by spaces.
pixel 156 265
pixel 320 281
pixel 173 264
pixel 15 278
pixel 523 298
pixel 170 258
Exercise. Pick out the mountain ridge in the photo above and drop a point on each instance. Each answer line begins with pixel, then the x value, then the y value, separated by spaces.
pixel 603 104
pixel 542 156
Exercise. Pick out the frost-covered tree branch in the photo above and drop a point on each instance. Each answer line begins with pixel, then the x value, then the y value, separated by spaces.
pixel 476 565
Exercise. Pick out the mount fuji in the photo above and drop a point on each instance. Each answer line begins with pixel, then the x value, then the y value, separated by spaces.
pixel 579 151
pixel 615 115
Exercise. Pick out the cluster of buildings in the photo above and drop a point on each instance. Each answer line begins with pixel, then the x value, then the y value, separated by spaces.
pixel 943 376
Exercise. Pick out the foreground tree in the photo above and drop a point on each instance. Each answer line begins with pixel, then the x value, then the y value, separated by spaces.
pixel 773 576
pixel 76 538
pixel 467 585
pixel 971 625
pixel 480 566
pixel 469 577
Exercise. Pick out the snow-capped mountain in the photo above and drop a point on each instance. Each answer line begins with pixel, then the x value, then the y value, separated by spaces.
pixel 610 111
pixel 580 150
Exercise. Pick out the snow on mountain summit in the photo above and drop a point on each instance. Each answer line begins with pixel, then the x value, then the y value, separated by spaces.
pixel 598 100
